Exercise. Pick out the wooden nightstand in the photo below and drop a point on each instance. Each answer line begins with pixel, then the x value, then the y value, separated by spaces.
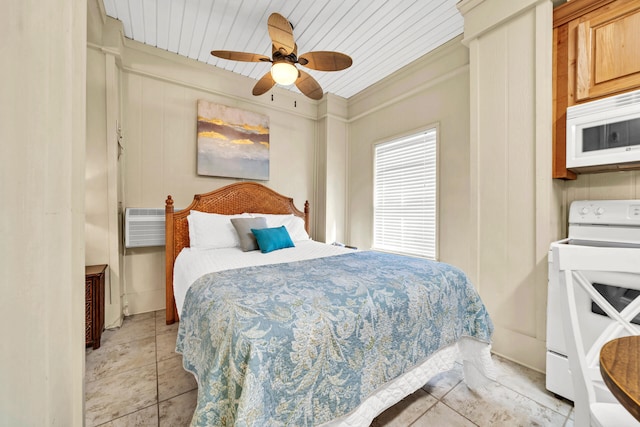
pixel 94 304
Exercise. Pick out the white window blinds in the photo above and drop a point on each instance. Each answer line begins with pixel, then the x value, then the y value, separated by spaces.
pixel 405 195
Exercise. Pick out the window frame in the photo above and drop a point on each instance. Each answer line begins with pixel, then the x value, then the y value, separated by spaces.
pixel 397 138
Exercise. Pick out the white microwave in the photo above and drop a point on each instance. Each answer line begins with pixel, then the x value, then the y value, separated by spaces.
pixel 604 134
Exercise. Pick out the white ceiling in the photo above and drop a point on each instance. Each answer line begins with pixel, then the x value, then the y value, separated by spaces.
pixel 381 36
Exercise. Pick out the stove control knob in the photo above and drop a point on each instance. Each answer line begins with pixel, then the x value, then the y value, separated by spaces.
pixel 599 211
pixel 584 210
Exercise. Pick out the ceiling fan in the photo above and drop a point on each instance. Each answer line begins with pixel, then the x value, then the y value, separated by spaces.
pixel 285 56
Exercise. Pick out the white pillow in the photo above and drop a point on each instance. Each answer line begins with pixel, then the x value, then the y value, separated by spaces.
pixel 294 224
pixel 212 231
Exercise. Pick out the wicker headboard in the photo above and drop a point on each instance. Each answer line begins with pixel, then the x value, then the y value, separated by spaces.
pixel 232 199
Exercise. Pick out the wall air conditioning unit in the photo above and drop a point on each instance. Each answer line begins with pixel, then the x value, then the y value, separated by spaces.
pixel 143 227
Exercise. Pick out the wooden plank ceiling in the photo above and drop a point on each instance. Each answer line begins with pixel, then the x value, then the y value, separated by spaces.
pixel 381 36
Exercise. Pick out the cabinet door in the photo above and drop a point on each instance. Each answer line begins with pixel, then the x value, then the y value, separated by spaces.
pixel 608 50
pixel 88 311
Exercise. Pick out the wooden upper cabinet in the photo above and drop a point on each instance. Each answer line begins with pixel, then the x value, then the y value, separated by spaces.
pixel 596 53
pixel 608 50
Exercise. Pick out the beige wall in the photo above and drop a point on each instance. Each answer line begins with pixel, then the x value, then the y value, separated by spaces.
pixel 151 94
pixel 102 220
pixel 491 99
pixel 159 96
pixel 103 187
pixel 517 209
pixel 432 91
pixel 96 201
pixel 42 150
pixel 515 205
pixel 331 169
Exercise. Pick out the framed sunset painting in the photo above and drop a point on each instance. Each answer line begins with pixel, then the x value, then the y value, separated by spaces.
pixel 232 143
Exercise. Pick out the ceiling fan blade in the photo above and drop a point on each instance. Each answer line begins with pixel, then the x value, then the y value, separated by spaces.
pixel 281 33
pixel 264 84
pixel 240 56
pixel 325 61
pixel 308 85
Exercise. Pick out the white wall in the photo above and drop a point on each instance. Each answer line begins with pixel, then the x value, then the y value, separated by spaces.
pixel 42 129
pixel 433 90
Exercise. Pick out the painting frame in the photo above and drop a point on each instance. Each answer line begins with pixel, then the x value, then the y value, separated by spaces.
pixel 231 142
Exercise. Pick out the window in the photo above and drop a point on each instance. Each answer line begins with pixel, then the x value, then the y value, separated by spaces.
pixel 404 218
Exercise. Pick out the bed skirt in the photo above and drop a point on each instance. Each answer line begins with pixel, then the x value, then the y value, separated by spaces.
pixel 478 369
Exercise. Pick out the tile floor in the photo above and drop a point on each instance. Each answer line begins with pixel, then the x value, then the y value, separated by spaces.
pixel 136 379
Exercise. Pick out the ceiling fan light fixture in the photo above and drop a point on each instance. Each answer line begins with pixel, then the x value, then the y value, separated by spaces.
pixel 284 73
pixel 284 56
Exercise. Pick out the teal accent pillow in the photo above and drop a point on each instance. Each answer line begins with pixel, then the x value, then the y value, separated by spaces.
pixel 271 239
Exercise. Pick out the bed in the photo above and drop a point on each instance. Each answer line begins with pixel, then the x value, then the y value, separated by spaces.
pixel 310 333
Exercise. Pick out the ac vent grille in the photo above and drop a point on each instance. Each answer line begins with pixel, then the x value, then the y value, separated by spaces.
pixel 144 227
pixel 146 211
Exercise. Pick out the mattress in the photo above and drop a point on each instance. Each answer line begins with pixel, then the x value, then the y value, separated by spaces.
pixel 191 264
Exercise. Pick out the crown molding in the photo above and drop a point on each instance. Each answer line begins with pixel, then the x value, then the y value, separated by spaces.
pixel 465 6
pixel 482 16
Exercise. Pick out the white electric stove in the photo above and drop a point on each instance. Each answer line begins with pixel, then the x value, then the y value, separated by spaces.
pixel 603 224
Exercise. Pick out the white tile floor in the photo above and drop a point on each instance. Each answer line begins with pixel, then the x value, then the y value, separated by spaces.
pixel 136 379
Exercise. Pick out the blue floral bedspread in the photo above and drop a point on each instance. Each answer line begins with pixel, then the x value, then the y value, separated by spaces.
pixel 301 343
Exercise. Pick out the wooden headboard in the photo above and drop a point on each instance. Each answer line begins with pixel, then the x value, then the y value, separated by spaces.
pixel 232 199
